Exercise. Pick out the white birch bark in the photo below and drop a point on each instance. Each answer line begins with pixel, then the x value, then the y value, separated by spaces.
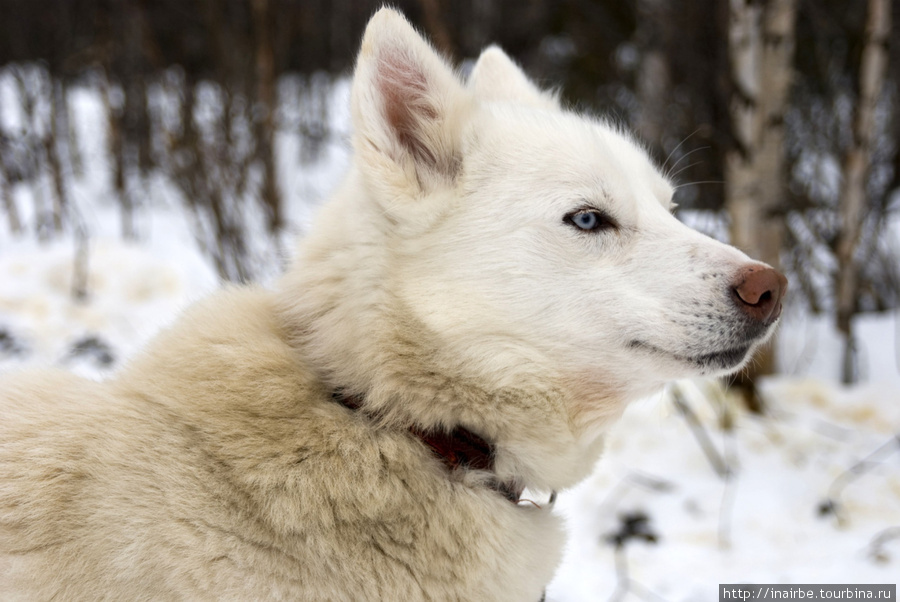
pixel 761 49
pixel 852 210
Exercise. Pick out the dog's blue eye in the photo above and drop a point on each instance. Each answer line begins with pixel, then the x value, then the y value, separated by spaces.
pixel 589 220
pixel 586 221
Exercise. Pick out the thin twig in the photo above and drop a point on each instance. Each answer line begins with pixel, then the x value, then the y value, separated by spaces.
pixel 80 268
pixel 729 453
pixel 832 505
pixel 718 463
pixel 729 495
pixel 876 546
pixel 623 583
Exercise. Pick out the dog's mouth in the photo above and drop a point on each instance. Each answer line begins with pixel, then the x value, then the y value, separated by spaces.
pixel 726 359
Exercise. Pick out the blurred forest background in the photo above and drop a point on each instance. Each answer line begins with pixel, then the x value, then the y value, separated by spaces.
pixel 779 119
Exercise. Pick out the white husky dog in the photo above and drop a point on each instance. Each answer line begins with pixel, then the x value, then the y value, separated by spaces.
pixel 495 279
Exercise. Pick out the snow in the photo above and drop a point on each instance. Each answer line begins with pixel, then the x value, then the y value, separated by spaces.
pixel 134 290
pixel 785 466
pixel 760 525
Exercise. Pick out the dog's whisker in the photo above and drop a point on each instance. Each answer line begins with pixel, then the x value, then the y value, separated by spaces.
pixel 688 166
pixel 682 158
pixel 686 184
pixel 674 150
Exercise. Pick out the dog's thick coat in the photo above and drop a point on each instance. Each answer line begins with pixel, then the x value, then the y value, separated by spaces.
pixel 490 262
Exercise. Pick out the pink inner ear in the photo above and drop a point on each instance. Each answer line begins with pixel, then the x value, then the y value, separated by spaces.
pixel 404 89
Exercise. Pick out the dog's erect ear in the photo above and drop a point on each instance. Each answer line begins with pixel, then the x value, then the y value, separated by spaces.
pixel 496 77
pixel 407 105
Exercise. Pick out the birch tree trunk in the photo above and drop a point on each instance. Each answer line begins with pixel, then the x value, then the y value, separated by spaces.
pixel 873 68
pixel 761 49
pixel 9 203
pixel 56 147
pixel 265 123
pixel 653 85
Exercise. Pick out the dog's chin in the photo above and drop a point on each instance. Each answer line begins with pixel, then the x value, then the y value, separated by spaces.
pixel 713 363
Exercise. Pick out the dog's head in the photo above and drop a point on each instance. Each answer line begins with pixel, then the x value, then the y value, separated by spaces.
pixel 525 237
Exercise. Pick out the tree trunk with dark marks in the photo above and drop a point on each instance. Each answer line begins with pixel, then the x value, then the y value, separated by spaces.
pixel 9 203
pixel 853 196
pixel 56 145
pixel 264 120
pixel 761 49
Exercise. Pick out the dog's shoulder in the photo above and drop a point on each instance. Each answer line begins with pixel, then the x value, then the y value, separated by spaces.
pixel 230 348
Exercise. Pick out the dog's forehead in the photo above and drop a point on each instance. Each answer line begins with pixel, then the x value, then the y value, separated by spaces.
pixel 561 150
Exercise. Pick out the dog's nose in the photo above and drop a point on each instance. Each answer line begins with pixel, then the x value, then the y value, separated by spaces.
pixel 758 291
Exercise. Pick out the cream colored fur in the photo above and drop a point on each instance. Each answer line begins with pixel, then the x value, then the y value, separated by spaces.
pixel 442 284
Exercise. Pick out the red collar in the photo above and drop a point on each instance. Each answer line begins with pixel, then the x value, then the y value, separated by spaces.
pixel 458 449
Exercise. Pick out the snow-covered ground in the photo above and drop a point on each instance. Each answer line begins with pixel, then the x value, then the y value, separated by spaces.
pixel 764 523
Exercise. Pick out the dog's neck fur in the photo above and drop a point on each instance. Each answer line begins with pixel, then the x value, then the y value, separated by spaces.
pixel 358 336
